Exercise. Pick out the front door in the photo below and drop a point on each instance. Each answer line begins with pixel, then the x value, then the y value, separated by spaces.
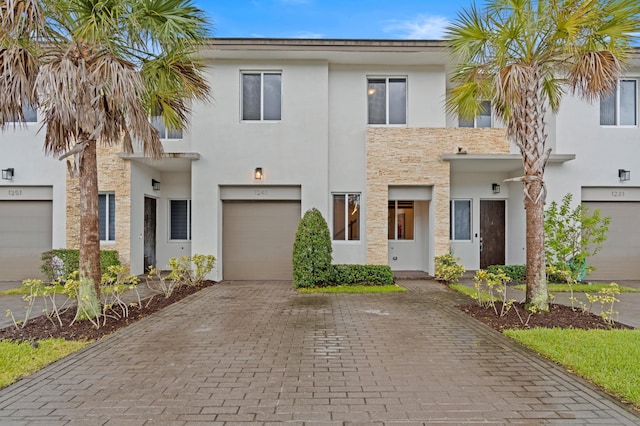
pixel 149 233
pixel 492 235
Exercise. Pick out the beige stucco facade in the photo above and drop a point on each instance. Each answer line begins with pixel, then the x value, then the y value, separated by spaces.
pixel 412 156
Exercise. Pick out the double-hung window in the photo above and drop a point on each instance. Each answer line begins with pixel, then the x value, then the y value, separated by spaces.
pixel 460 220
pixel 483 119
pixel 346 217
pixel 387 100
pixel 620 107
pixel 180 220
pixel 261 96
pixel 157 121
pixel 401 224
pixel 107 216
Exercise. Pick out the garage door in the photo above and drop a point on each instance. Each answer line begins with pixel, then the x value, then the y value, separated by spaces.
pixel 25 230
pixel 620 254
pixel 257 239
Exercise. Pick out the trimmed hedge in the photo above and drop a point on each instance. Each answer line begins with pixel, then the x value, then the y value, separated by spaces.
pixel 70 262
pixel 361 275
pixel 312 251
pixel 517 273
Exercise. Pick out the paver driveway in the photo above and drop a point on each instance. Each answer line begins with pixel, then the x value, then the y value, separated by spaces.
pixel 258 352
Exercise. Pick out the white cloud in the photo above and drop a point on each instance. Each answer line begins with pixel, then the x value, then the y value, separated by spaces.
pixel 421 27
pixel 308 34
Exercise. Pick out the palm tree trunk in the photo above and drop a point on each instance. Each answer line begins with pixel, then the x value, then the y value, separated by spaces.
pixel 537 298
pixel 89 219
pixel 531 137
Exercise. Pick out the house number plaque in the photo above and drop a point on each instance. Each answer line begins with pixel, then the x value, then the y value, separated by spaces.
pixel 15 192
pixel 617 194
pixel 261 192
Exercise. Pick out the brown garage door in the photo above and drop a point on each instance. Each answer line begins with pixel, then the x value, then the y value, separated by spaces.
pixel 25 232
pixel 257 239
pixel 619 258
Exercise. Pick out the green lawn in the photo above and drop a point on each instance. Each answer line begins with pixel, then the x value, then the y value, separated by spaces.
pixel 23 290
pixel 608 358
pixel 581 288
pixel 355 289
pixel 18 360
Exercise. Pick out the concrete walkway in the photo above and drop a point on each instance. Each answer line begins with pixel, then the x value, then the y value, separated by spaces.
pixel 257 352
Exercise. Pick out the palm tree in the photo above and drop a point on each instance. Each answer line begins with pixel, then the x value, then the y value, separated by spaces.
pixel 523 55
pixel 97 69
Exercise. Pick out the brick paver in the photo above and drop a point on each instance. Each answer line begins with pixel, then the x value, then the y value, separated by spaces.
pixel 260 353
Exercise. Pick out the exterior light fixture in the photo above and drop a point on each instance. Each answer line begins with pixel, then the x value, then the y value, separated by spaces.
pixel 257 174
pixel 495 188
pixel 623 174
pixel 155 184
pixel 7 174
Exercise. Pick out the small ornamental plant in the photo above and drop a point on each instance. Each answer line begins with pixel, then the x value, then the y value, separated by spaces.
pixel 447 269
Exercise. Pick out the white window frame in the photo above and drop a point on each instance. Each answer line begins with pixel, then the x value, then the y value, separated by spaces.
pixel 387 109
pixel 189 229
pixel 262 74
pixel 346 196
pixel 110 197
pixel 617 105
pixel 165 134
pixel 475 120
pixel 395 222
pixel 452 217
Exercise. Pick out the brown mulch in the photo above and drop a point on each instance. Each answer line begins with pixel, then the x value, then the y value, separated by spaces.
pixel 40 327
pixel 558 316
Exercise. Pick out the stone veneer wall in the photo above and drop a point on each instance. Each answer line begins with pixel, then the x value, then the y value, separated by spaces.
pixel 114 175
pixel 412 156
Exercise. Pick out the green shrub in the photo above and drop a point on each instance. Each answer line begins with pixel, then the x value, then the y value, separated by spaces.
pixel 517 273
pixel 312 251
pixel 361 274
pixel 59 263
pixel 447 268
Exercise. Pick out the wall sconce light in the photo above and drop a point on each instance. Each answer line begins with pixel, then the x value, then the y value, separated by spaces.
pixel 495 188
pixel 257 174
pixel 155 184
pixel 623 174
pixel 7 174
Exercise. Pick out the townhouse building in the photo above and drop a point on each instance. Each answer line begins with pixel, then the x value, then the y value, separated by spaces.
pixel 354 128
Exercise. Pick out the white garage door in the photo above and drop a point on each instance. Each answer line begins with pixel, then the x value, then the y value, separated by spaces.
pixel 25 232
pixel 619 258
pixel 257 239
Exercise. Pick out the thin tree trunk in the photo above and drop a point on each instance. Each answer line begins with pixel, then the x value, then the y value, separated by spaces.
pixel 89 219
pixel 537 297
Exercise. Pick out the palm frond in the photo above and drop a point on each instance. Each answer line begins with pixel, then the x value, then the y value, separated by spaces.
pixel 594 74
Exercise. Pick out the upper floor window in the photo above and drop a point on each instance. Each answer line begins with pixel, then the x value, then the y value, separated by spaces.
pixel 483 119
pixel 620 108
pixel 262 96
pixel 401 220
pixel 29 114
pixel 180 220
pixel 165 133
pixel 387 100
pixel 460 220
pixel 346 217
pixel 107 216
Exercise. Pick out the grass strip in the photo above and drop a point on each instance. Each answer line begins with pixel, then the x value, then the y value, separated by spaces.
pixel 607 358
pixel 392 288
pixel 23 290
pixel 581 288
pixel 20 359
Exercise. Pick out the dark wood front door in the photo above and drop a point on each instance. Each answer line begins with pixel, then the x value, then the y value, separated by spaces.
pixel 149 233
pixel 492 223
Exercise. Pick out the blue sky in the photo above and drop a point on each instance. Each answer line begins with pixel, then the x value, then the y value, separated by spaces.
pixel 373 19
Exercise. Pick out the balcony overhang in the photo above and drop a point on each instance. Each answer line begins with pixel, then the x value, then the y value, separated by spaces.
pixel 504 163
pixel 170 162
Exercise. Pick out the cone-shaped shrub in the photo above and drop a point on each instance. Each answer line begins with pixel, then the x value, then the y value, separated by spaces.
pixel 312 251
